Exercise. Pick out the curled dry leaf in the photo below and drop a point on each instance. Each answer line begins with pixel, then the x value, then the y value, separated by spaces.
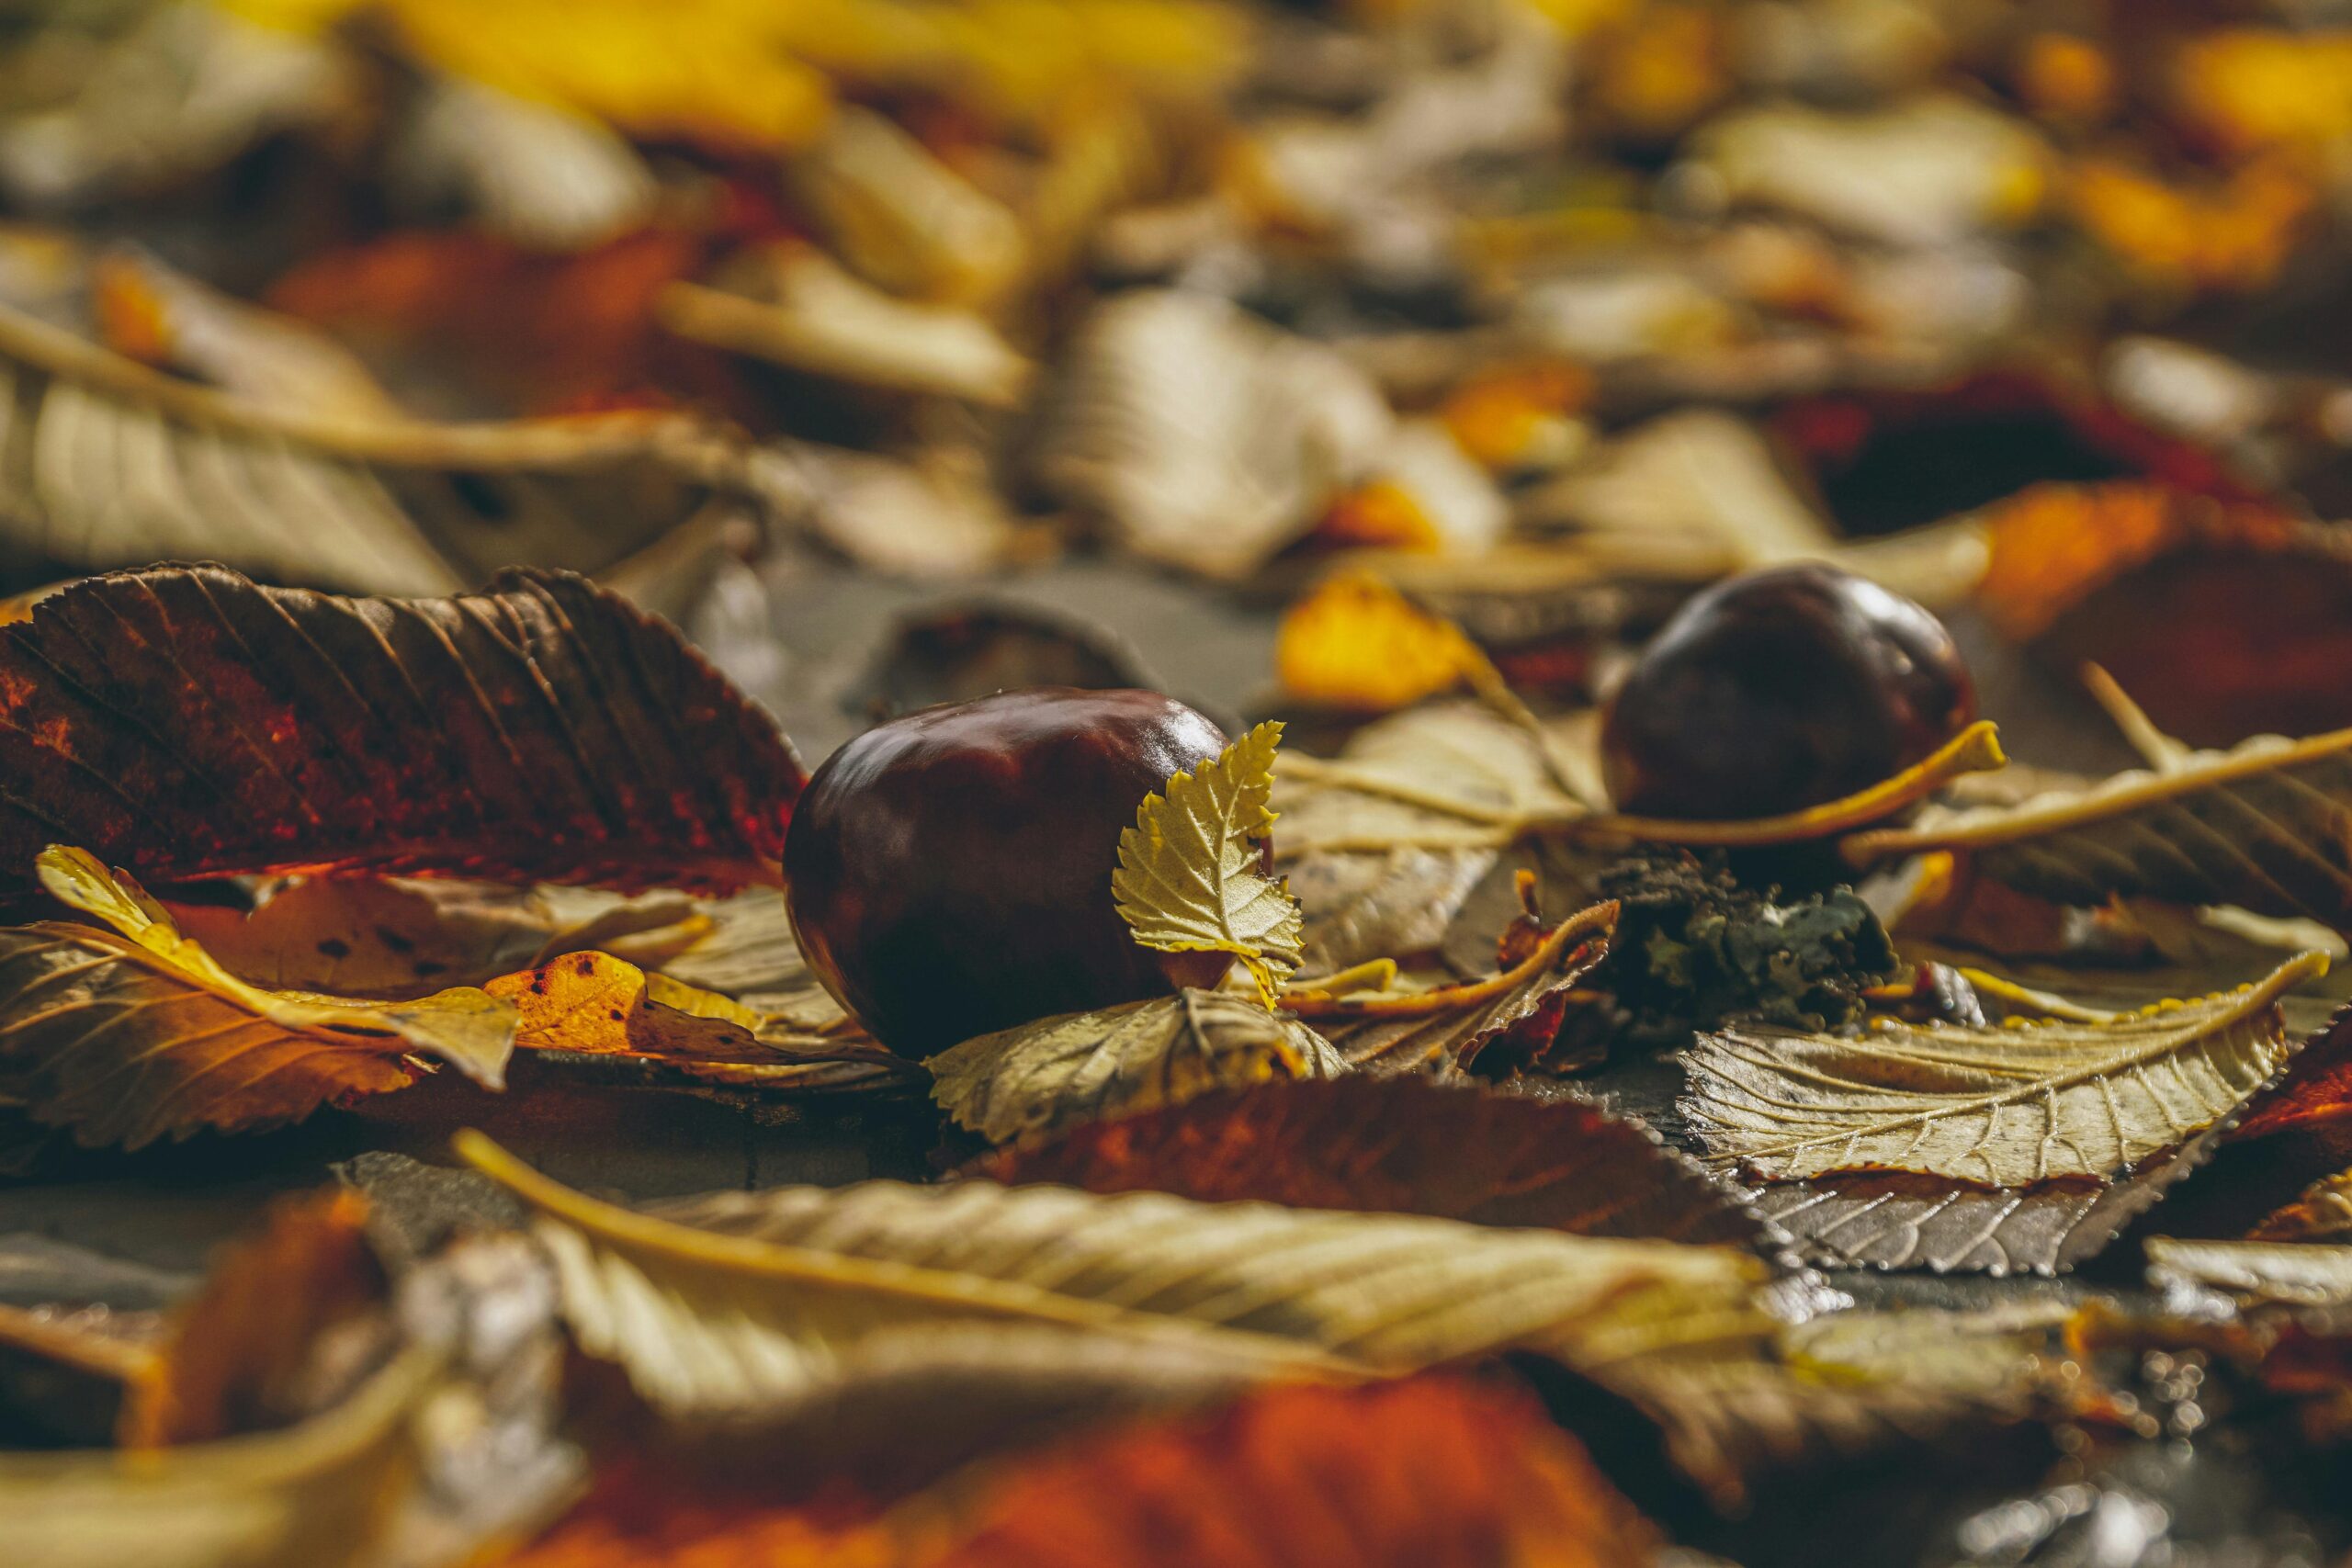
pixel 136 1034
pixel 1045 1078
pixel 1405 1145
pixel 752 1304
pixel 246 1354
pixel 2263 1272
pixel 2323 1213
pixel 184 722
pixel 111 463
pixel 313 1496
pixel 2261 826
pixel 1190 876
pixel 2088 1095
pixel 1206 437
pixel 1448 1028
pixel 594 1004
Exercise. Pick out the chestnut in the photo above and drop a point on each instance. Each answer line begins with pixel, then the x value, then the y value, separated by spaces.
pixel 950 870
pixel 1777 689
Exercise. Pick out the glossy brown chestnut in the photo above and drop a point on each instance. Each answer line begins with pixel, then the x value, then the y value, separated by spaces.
pixel 950 870
pixel 1780 690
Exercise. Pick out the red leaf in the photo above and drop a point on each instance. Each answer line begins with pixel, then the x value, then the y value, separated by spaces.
pixel 184 722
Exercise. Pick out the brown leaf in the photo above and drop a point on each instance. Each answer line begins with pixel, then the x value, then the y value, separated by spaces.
pixel 1405 1145
pixel 252 1351
pixel 184 722
pixel 130 1034
pixel 1430 1471
pixel 2323 1213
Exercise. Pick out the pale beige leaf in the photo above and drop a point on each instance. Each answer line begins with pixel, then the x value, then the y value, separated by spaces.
pixel 1445 777
pixel 314 1495
pixel 108 462
pixel 1045 1077
pixel 536 173
pixel 1189 877
pixel 2266 826
pixel 2088 1096
pixel 2287 1273
pixel 1364 905
pixel 738 1302
pixel 130 1034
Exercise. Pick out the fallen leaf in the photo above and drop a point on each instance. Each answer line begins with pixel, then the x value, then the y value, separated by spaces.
pixel 933 514
pixel 1190 876
pixel 126 1038
pixel 184 722
pixel 1355 906
pixel 2263 1272
pixel 1449 1028
pixel 594 1004
pixel 1355 642
pixel 245 1355
pixel 387 504
pixel 752 1303
pixel 1042 1078
pixel 2088 1095
pixel 2323 1213
pixel 525 170
pixel 313 1496
pixel 2260 826
pixel 1404 1145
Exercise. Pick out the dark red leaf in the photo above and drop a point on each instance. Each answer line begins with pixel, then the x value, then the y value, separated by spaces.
pixel 184 722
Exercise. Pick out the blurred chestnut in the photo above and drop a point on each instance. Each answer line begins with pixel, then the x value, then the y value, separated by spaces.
pixel 1779 690
pixel 950 870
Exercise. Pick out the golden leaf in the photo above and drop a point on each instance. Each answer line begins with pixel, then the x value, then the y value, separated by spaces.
pixel 1355 642
pixel 2263 826
pixel 2089 1094
pixel 755 1303
pixel 1045 1078
pixel 129 1037
pixel 313 1496
pixel 1189 880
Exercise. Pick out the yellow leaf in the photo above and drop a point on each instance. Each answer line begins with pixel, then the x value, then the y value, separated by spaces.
pixel 1190 876
pixel 1355 642
pixel 131 1034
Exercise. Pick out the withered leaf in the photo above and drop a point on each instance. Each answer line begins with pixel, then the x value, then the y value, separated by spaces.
pixel 1189 878
pixel 2323 1213
pixel 735 1302
pixel 1040 1078
pixel 312 1496
pixel 1392 903
pixel 2263 826
pixel 1405 1145
pixel 2088 1095
pixel 184 722
pixel 594 1004
pixel 135 1034
pixel 1449 1028
pixel 111 463
pixel 2284 1273
pixel 244 1355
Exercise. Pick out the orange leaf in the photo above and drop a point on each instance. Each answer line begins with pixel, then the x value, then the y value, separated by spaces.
pixel 1355 642
pixel 243 1349
pixel 184 722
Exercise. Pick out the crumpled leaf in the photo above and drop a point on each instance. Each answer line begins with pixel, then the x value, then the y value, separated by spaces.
pixel 754 1302
pixel 243 1353
pixel 2286 1273
pixel 1404 1145
pixel 1190 878
pixel 2257 826
pixel 1041 1078
pixel 1208 438
pixel 184 722
pixel 2323 1213
pixel 1428 1470
pixel 1448 1029
pixel 2083 1095
pixel 111 463
pixel 312 1496
pixel 594 1004
pixel 129 1037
